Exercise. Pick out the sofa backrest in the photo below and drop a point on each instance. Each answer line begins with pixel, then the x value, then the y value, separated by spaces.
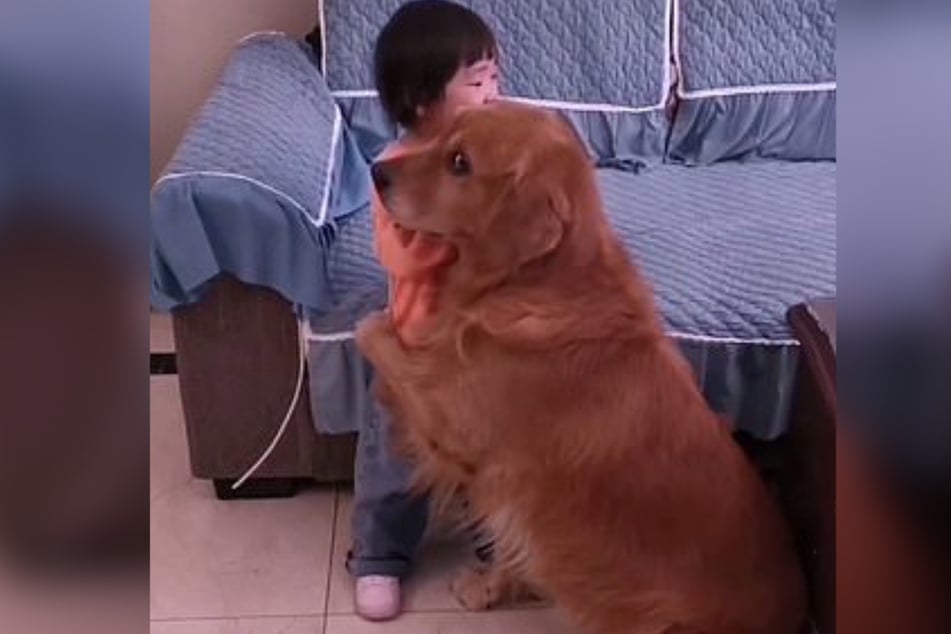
pixel 605 63
pixel 756 79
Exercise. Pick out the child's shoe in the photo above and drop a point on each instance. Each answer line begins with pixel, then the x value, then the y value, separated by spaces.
pixel 377 597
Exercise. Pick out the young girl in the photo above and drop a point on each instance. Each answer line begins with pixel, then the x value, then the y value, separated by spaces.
pixel 432 58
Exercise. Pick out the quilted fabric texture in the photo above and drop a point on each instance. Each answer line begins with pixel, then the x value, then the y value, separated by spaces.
pixel 597 51
pixel 352 266
pixel 729 248
pixel 270 118
pixel 731 43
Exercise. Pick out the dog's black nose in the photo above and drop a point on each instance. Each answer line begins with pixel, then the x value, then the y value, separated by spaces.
pixel 381 176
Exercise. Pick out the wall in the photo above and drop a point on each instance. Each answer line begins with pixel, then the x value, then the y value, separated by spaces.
pixel 190 43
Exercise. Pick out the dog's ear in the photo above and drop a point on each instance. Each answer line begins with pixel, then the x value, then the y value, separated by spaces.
pixel 539 209
pixel 526 225
pixel 527 221
pixel 542 222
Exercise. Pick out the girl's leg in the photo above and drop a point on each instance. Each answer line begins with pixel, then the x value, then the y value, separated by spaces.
pixel 388 520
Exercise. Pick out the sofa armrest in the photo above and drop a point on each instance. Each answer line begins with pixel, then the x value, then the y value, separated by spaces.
pixel 809 493
pixel 237 352
pixel 238 363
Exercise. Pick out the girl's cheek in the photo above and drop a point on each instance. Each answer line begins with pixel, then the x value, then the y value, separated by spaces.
pixel 476 98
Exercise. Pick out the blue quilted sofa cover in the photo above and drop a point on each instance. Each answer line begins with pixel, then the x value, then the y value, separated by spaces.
pixel 757 79
pixel 270 184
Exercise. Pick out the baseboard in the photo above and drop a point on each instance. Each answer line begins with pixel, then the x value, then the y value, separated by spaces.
pixel 162 363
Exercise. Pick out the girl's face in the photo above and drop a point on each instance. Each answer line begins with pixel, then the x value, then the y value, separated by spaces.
pixel 471 86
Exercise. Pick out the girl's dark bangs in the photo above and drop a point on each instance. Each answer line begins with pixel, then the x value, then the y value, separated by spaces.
pixel 479 46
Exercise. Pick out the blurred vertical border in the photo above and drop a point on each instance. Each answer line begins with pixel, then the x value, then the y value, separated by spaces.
pixel 74 181
pixel 894 315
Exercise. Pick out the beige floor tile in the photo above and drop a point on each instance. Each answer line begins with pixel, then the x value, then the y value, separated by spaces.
pixel 239 558
pixel 499 622
pixel 229 559
pixel 428 588
pixel 160 333
pixel 270 625
pixel 168 468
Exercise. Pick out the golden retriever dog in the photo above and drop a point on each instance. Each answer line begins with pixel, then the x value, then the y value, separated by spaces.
pixel 548 392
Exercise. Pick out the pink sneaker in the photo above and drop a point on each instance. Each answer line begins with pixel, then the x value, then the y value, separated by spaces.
pixel 377 597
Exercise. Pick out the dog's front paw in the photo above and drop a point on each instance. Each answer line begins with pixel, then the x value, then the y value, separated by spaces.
pixel 477 589
pixel 485 587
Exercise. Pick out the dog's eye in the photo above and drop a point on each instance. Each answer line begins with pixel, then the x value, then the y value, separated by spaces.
pixel 459 164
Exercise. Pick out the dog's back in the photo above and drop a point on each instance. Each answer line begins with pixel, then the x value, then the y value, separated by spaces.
pixel 630 502
pixel 627 496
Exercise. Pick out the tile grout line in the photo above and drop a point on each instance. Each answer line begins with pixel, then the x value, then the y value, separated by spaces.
pixel 234 617
pixel 330 565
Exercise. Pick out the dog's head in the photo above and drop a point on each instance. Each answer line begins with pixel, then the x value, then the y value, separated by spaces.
pixel 504 183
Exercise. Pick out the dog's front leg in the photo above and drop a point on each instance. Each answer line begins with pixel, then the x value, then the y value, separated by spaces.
pixel 378 342
pixel 395 366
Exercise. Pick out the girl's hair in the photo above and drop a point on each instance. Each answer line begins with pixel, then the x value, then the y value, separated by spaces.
pixel 420 49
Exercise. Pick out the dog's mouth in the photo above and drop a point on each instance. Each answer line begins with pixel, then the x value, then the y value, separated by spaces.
pixel 411 227
pixel 429 250
pixel 408 232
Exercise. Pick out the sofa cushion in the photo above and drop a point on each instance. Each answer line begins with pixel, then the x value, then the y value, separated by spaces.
pixel 603 62
pixel 757 80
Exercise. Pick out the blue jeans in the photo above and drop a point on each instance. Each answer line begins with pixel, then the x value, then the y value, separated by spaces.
pixel 388 519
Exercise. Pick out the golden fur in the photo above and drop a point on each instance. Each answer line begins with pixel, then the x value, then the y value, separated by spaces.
pixel 548 392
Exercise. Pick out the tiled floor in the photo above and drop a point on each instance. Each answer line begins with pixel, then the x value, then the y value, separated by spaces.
pixel 160 333
pixel 275 566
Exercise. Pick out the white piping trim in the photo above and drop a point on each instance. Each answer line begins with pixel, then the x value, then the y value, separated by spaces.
pixel 346 335
pixel 675 43
pixel 322 21
pixel 668 64
pixel 240 177
pixel 334 140
pixel 354 94
pixel 289 414
pixel 256 34
pixel 730 91
pixel 762 89
pixel 733 340
pixel 330 337
pixel 577 106
pixel 310 335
